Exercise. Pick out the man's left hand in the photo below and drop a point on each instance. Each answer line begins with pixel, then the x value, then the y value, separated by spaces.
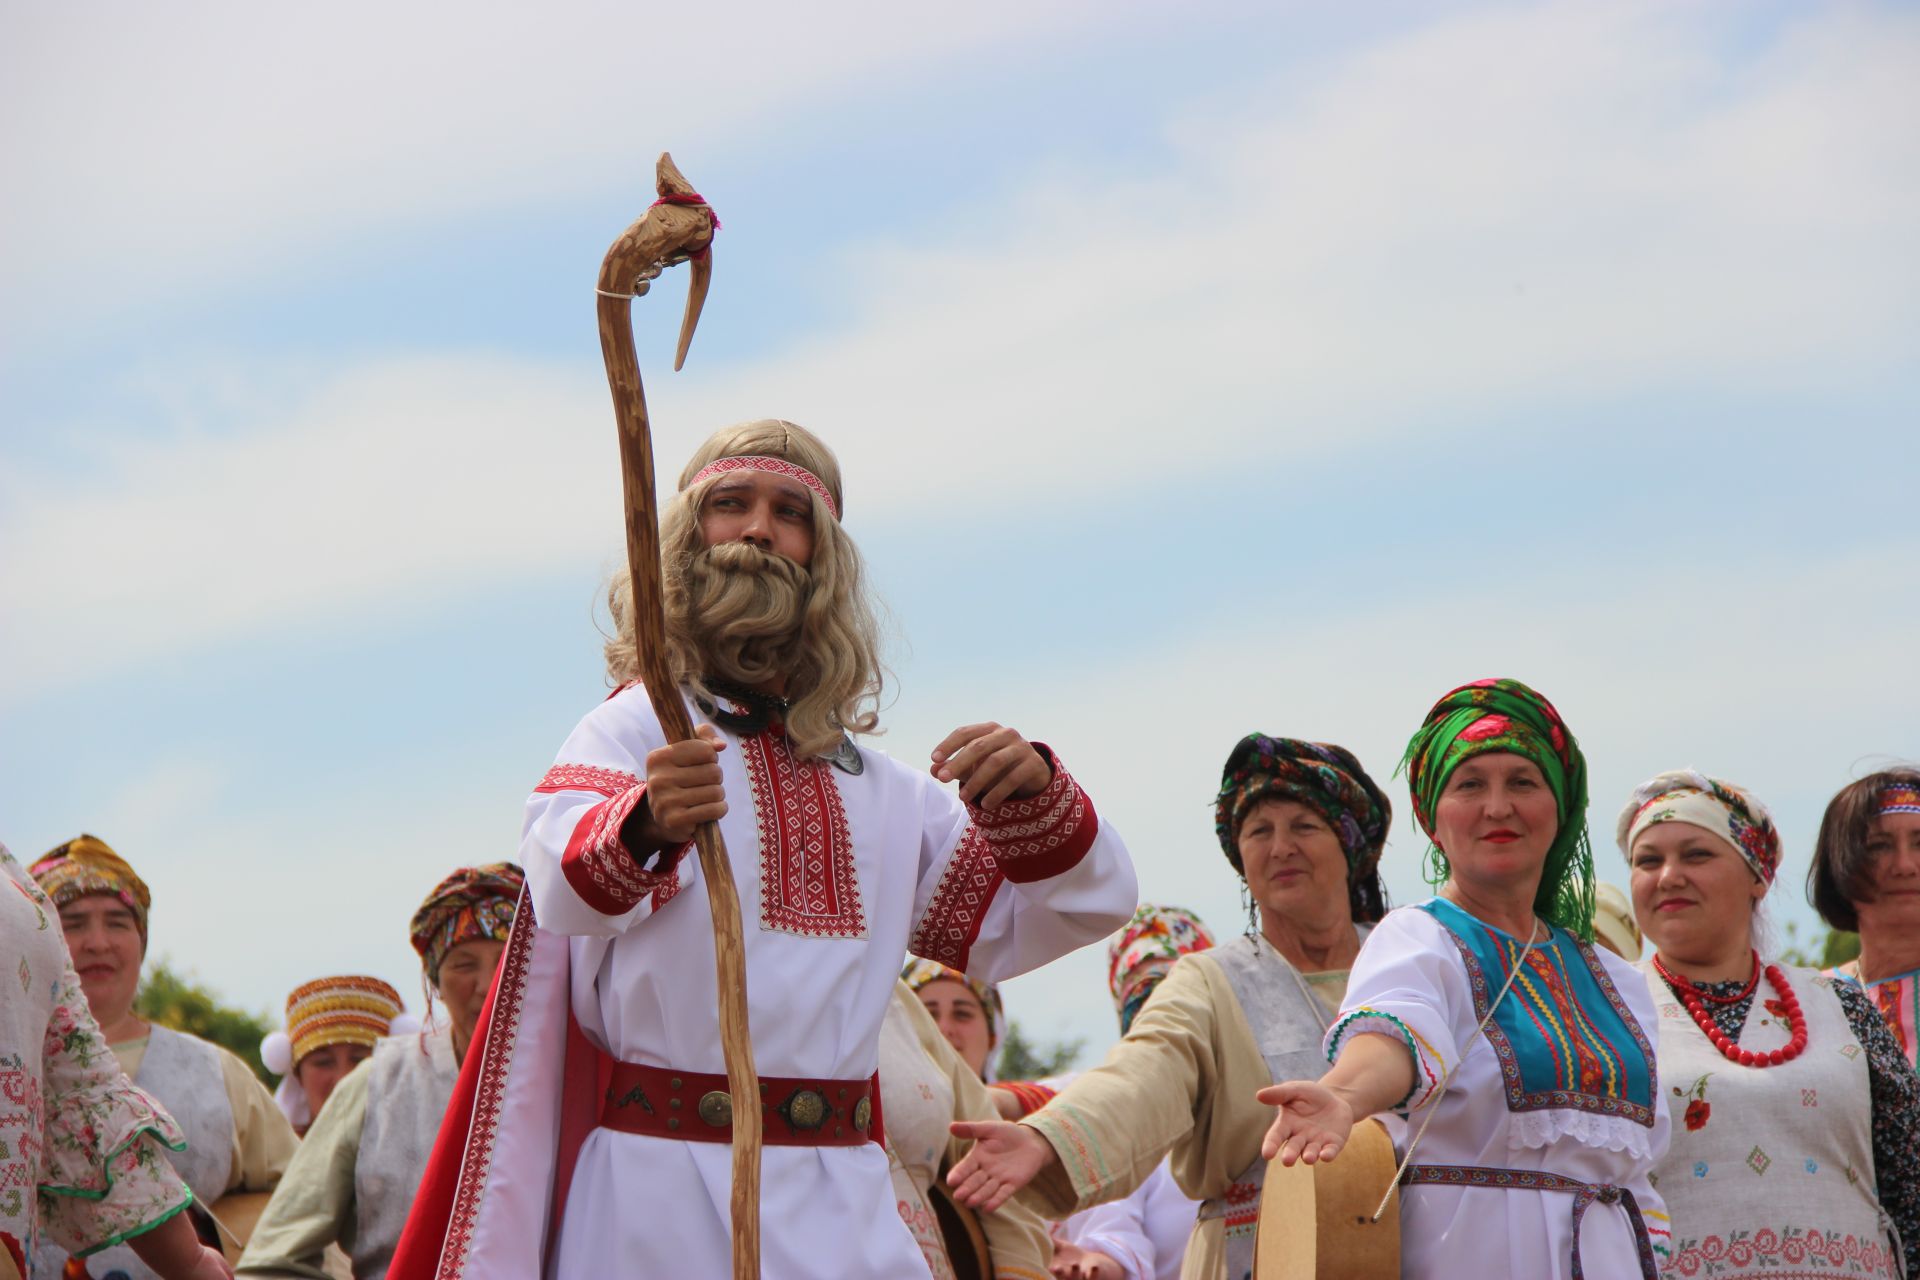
pixel 992 764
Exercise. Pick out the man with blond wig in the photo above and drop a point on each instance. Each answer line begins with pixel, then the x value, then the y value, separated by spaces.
pixel 845 859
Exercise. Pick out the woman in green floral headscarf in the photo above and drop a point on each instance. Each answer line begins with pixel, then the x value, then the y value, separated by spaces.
pixel 1520 1053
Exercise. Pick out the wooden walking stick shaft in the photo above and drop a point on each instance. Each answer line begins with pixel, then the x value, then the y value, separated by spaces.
pixel 680 229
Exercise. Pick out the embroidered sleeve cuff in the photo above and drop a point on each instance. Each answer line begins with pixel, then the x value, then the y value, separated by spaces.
pixel 1043 835
pixel 1426 1073
pixel 602 870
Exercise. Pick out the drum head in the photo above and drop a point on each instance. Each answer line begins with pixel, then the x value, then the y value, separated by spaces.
pixel 1316 1222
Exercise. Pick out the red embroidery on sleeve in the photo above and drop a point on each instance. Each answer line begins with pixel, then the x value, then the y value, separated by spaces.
pixel 586 777
pixel 807 881
pixel 947 931
pixel 1044 835
pixel 597 864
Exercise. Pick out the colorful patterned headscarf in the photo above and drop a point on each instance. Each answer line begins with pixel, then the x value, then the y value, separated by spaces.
pixel 85 865
pixel 919 973
pixel 1721 808
pixel 1142 952
pixel 473 902
pixel 1325 778
pixel 1897 797
pixel 1505 715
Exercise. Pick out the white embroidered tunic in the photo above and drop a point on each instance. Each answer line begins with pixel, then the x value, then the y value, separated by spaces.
pixel 841 872
pixel 1562 1081
pixel 1771 1172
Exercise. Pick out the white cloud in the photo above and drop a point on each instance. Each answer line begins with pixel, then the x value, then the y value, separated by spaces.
pixel 1529 206
pixel 205 143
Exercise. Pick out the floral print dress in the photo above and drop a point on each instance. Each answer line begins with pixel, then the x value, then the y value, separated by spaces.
pixel 82 1159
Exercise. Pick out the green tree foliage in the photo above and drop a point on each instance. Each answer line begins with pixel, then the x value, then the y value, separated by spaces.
pixel 175 1000
pixel 1023 1059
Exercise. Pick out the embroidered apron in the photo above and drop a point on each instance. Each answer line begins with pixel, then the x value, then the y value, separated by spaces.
pixel 1288 1025
pixel 1770 1174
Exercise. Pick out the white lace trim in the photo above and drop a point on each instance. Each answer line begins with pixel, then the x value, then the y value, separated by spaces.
pixel 1536 1129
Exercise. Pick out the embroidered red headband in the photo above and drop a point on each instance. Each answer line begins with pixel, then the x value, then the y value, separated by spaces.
pixel 1897 797
pixel 772 466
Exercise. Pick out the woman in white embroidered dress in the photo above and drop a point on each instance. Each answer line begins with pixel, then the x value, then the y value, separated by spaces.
pixel 82 1157
pixel 1795 1149
pixel 1534 1126
pixel 1303 824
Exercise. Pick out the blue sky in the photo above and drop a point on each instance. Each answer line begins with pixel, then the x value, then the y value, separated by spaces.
pixel 1261 366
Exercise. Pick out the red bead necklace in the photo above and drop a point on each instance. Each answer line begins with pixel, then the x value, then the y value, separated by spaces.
pixel 1694 1000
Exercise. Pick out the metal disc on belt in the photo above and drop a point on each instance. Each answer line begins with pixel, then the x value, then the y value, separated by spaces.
pixel 1316 1221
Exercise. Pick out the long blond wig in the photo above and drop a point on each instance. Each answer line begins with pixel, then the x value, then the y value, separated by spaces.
pixel 835 684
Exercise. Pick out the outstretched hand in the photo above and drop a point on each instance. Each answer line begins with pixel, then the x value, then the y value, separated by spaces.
pixel 1313 1125
pixel 993 764
pixel 1005 1158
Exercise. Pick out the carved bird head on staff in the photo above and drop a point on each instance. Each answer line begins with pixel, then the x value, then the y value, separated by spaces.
pixel 678 228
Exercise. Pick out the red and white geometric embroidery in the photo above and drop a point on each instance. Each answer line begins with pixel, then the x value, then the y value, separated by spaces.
pixel 597 864
pixel 807 882
pixel 586 777
pixel 1040 837
pixel 947 931
pixel 502 1037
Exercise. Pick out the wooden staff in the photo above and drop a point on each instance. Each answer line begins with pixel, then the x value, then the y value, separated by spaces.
pixel 679 228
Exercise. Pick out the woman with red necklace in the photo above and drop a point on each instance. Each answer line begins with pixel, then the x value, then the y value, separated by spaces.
pixel 1784 1080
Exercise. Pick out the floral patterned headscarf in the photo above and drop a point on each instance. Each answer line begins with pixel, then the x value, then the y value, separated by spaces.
pixel 1505 715
pixel 86 865
pixel 1720 808
pixel 473 902
pixel 1325 778
pixel 1143 951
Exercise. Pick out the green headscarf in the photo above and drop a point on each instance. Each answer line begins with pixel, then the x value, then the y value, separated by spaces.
pixel 1505 715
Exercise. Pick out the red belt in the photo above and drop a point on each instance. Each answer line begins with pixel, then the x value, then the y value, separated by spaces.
pixel 663 1103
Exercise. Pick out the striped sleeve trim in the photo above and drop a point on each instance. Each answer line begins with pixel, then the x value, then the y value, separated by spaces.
pixel 1362 1021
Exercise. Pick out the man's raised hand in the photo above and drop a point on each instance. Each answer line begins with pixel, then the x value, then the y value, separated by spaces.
pixel 992 764
pixel 683 789
pixel 1005 1158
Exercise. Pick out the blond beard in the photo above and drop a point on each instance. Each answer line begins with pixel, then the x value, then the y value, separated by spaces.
pixel 743 609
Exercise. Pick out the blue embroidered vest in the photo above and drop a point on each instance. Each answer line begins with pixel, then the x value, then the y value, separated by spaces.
pixel 1565 1039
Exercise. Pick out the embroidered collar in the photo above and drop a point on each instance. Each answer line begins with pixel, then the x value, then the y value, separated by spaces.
pixel 747 712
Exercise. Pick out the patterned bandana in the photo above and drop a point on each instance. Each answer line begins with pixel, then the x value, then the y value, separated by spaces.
pixel 919 973
pixel 1141 953
pixel 1325 778
pixel 1897 797
pixel 772 466
pixel 1720 808
pixel 1505 715
pixel 473 902
pixel 84 865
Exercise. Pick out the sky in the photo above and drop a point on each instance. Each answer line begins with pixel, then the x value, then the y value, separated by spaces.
pixel 1245 366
